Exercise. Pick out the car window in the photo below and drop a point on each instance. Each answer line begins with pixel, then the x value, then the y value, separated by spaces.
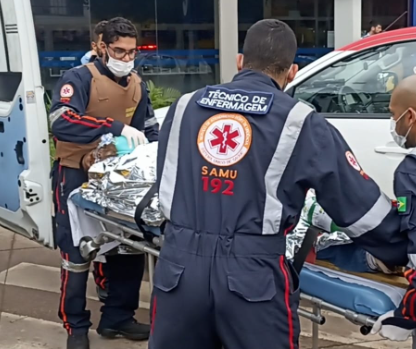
pixel 361 83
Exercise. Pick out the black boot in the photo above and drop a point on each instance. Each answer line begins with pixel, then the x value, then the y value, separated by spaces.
pixel 131 330
pixel 78 341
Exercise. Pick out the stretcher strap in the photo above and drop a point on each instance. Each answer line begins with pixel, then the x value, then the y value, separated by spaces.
pixel 307 244
pixel 139 211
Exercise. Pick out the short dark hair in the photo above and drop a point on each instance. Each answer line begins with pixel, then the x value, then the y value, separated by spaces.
pixel 118 27
pixel 99 29
pixel 374 24
pixel 270 46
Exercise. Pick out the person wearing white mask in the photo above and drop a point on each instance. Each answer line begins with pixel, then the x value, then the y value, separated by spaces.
pixel 399 324
pixel 105 96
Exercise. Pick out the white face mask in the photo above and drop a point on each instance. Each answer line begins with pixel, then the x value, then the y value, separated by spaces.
pixel 119 68
pixel 399 139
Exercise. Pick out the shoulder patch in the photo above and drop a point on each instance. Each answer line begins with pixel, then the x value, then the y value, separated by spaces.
pixel 403 204
pixel 225 139
pixel 240 101
pixel 352 161
pixel 67 91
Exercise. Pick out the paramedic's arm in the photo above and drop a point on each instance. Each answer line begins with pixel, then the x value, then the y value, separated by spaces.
pixel 67 116
pixel 151 126
pixel 405 191
pixel 352 199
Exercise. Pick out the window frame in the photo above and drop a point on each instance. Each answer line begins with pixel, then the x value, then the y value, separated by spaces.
pixel 363 116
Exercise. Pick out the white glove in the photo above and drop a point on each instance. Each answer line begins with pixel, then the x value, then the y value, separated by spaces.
pixel 390 332
pixel 134 137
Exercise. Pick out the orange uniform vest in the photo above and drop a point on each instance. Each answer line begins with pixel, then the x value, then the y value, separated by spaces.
pixel 108 99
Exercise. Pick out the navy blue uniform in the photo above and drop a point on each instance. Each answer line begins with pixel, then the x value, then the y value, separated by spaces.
pixel 77 127
pixel 235 162
pixel 124 273
pixel 405 191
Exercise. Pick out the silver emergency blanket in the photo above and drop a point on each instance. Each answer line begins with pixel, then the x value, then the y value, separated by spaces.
pixel 120 183
pixel 313 214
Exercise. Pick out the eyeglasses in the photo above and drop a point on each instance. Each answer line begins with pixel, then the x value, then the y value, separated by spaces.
pixel 120 53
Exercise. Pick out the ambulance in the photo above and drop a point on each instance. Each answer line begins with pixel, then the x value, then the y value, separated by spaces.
pixel 351 87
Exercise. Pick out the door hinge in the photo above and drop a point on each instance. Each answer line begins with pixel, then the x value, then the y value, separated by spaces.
pixel 32 193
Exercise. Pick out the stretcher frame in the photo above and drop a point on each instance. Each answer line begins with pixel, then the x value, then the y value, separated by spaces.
pixel 90 246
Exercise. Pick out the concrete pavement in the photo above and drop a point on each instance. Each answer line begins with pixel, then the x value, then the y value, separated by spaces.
pixel 29 296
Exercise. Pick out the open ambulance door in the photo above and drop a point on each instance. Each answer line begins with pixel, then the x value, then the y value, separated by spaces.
pixel 25 190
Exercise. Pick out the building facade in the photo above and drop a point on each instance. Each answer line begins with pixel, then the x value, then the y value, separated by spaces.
pixel 187 44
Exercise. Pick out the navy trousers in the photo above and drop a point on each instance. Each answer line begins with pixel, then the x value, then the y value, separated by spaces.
pixel 217 291
pixel 123 273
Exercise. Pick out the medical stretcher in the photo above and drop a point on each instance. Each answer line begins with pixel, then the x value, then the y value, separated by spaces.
pixel 322 287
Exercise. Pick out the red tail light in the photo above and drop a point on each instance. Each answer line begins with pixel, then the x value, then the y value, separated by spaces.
pixel 147 47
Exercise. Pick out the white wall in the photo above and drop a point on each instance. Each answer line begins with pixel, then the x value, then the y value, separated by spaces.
pixel 228 27
pixel 347 21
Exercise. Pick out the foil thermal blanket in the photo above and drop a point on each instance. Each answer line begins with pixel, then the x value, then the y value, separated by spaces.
pixel 120 183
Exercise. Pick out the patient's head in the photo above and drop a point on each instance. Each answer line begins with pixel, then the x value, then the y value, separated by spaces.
pixel 403 108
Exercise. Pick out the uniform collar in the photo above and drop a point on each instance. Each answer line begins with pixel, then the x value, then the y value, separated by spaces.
pixel 257 76
pixel 105 71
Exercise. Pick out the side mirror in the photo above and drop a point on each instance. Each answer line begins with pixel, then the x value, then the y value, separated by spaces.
pixel 387 81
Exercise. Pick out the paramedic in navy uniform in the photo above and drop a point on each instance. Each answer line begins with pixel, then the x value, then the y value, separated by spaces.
pixel 235 162
pixel 102 97
pixel 399 324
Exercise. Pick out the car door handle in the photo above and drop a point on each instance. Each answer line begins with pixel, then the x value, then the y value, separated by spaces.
pixel 391 150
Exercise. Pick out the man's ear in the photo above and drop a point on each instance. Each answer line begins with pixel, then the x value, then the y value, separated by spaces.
pixel 240 61
pixel 292 73
pixel 102 49
pixel 412 115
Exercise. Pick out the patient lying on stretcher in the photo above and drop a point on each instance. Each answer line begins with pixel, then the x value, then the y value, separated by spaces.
pixel 335 247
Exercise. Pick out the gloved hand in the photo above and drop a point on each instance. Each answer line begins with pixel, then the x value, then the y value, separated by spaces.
pixel 390 332
pixel 98 155
pixel 133 136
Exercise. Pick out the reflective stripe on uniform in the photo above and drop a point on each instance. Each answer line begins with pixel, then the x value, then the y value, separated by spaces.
pixel 170 168
pixel 57 114
pixel 372 219
pixel 273 207
pixel 150 122
pixel 75 268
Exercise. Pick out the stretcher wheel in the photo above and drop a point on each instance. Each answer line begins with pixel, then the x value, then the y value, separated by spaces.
pixel 365 330
pixel 88 249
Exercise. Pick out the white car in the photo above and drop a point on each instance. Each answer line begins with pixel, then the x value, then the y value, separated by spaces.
pixel 351 86
pixel 160 114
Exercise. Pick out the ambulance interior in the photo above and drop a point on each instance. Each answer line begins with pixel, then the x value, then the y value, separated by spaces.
pixel 360 83
pixel 25 188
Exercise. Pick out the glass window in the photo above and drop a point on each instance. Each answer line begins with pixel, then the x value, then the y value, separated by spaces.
pixel 311 20
pixel 178 48
pixel 178 39
pixel 361 83
pixel 62 34
pixel 390 14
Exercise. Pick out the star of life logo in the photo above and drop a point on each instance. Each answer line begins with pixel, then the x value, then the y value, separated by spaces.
pixel 67 91
pixel 224 139
pixel 352 161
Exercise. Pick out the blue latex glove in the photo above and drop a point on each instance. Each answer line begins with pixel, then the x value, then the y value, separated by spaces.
pixel 122 146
